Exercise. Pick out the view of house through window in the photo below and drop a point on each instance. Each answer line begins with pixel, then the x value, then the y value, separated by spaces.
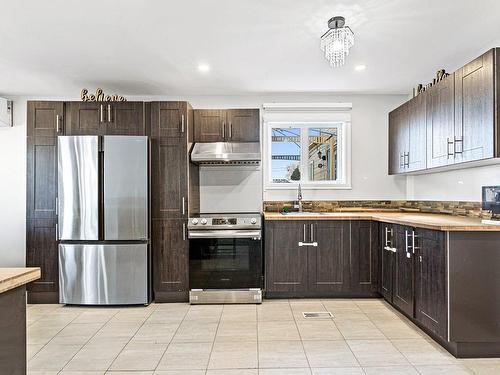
pixel 305 153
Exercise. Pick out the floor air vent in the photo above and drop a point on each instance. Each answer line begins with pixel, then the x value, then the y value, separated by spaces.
pixel 318 315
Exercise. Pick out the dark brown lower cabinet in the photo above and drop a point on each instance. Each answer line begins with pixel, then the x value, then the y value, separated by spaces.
pixel 286 261
pixel 413 274
pixel 364 257
pixel 314 258
pixel 387 256
pixel 170 259
pixel 328 256
pixel 13 328
pixel 403 293
pixel 430 281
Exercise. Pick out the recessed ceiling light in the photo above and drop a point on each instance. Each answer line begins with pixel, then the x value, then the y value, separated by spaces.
pixel 360 67
pixel 203 67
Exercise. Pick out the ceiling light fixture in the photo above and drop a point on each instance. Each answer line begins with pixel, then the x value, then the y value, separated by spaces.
pixel 203 67
pixel 360 67
pixel 335 43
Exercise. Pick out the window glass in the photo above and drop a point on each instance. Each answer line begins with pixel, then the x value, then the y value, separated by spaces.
pixel 322 154
pixel 285 155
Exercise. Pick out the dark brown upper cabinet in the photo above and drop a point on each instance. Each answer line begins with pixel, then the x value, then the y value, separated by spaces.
pixel 398 139
pixel 243 125
pixel 105 118
pixel 45 119
pixel 440 118
pixel 460 118
pixel 232 125
pixel 475 109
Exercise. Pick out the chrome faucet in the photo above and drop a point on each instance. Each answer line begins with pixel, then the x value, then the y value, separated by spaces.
pixel 299 199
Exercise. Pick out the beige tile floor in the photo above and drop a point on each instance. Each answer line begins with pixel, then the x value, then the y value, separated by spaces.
pixel 363 337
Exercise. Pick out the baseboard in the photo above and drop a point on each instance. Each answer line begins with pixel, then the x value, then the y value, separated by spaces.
pixel 278 295
pixel 42 297
pixel 165 297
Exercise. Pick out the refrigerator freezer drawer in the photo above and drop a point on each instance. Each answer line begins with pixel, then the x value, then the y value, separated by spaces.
pixel 103 274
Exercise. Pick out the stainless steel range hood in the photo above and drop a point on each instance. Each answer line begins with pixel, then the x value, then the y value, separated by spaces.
pixel 226 153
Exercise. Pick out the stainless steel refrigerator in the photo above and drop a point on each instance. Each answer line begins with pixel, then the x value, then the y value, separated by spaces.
pixel 102 227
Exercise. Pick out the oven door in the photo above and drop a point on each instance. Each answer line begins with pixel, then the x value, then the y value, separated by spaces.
pixel 220 260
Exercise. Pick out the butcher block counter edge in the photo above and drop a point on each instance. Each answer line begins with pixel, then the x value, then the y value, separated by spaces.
pixel 428 221
pixel 11 278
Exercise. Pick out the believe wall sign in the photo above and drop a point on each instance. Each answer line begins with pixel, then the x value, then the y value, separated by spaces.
pixel 100 97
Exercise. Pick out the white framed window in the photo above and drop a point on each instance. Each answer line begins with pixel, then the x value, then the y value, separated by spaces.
pixel 305 145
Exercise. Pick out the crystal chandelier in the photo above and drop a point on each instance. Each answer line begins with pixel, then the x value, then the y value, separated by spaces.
pixel 335 43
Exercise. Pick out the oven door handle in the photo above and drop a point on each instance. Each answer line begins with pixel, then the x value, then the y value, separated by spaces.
pixel 254 234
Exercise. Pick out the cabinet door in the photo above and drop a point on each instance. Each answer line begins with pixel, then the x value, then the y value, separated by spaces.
pixel 416 153
pixel 85 118
pixel 364 256
pixel 403 295
pixel 243 125
pixel 170 251
pixel 41 251
pixel 398 139
pixel 440 114
pixel 168 119
pixel 45 119
pixel 124 118
pixel 387 261
pixel 169 190
pixel 210 125
pixel 474 109
pixel 286 262
pixel 430 281
pixel 328 265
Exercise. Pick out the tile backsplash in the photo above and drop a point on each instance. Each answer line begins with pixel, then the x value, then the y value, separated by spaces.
pixel 457 208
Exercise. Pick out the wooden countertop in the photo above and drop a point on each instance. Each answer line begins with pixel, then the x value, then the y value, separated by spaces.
pixel 421 220
pixel 11 278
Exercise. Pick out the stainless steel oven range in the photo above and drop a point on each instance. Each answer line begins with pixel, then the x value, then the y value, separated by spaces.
pixel 225 258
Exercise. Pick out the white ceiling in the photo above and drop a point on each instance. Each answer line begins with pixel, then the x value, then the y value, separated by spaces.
pixel 147 47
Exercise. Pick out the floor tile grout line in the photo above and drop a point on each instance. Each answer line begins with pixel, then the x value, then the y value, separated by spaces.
pixel 345 340
pixel 120 352
pixel 300 337
pixel 213 342
pixel 86 342
pixel 71 321
pixel 172 339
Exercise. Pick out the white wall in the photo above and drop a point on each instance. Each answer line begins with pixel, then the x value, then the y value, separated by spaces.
pixel 369 163
pixel 458 185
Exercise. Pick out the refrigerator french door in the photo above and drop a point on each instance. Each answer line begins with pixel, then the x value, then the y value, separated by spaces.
pixel 103 220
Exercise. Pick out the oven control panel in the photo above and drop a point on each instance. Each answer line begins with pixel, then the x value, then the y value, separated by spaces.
pixel 239 221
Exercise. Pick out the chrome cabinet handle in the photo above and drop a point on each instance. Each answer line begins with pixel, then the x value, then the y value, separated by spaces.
pixel 455 141
pixel 109 112
pixel 312 233
pixel 102 113
pixel 57 124
pixel 182 124
pixel 57 233
pixel 406 240
pixel 230 130
pixel 413 247
pixel 184 231
pixel 304 233
pixel 223 130
pixel 313 244
pixel 391 249
pixel 448 143
pixel 183 206
pixel 405 156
